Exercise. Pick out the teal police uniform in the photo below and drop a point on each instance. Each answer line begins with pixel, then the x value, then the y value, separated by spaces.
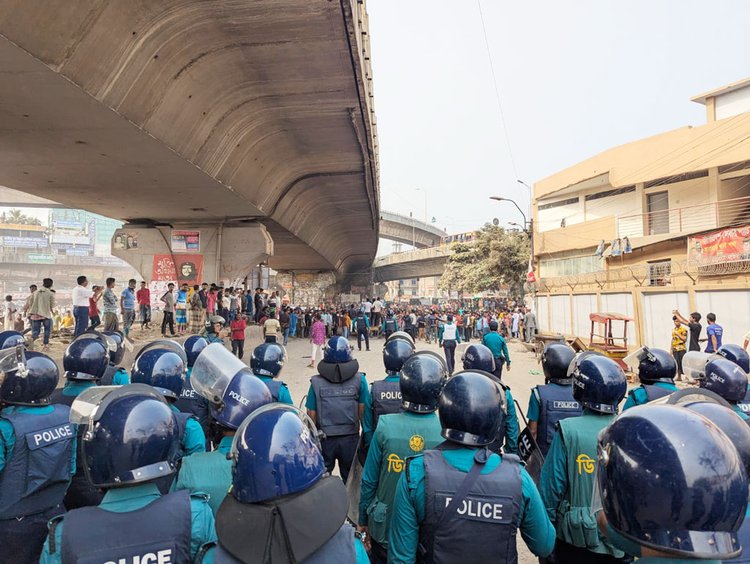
pixel 194 439
pixel 567 480
pixel 397 437
pixel 639 396
pixel 73 388
pixel 208 472
pixel 124 500
pixel 511 425
pixel 284 395
pixel 409 508
pixel 368 418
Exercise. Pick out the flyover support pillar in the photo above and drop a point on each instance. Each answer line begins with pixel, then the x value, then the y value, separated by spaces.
pixel 221 253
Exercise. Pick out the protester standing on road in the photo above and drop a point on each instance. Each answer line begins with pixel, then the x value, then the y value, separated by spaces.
pixel 40 312
pixel 679 343
pixel 10 313
pixel 127 306
pixel 271 328
pixel 94 314
pixel 81 295
pixel 317 338
pixel 448 338
pixel 284 322
pixel 196 313
pixel 238 326
pixel 694 326
pixel 109 300
pixel 180 309
pixel 258 301
pixel 714 332
pixel 168 314
pixel 144 305
pixel 529 323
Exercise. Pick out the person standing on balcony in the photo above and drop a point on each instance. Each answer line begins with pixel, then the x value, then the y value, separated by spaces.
pixel 695 328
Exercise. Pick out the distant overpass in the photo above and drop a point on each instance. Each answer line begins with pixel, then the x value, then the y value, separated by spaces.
pixel 409 230
pixel 411 264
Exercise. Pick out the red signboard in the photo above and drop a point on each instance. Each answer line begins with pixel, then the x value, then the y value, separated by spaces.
pixel 178 268
pixel 727 245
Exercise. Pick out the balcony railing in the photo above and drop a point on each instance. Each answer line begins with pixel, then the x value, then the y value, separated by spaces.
pixel 687 219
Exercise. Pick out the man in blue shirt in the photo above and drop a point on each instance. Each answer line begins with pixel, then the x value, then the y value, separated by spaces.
pixel 452 494
pixel 127 306
pixel 714 332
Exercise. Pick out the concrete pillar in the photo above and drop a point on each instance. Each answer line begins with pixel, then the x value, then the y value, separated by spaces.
pixel 309 288
pixel 223 254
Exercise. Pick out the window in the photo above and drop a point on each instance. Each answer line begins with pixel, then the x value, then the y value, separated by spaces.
pixel 659 273
pixel 570 266
pixel 658 213
pixel 608 193
pixel 568 202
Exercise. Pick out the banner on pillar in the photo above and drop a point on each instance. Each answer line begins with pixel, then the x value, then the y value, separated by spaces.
pixel 183 269
pixel 186 241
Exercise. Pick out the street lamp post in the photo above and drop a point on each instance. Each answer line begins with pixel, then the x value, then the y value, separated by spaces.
pixel 528 224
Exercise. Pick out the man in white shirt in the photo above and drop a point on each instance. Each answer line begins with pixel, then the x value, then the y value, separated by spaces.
pixel 377 307
pixel 81 295
pixel 9 315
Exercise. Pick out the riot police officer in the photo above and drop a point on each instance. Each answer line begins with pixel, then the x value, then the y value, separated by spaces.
pixel 459 502
pixel 739 356
pixel 233 393
pixel 189 400
pixel 553 401
pixel 335 403
pixel 266 363
pixel 37 457
pixel 389 325
pixel 567 476
pixel 656 372
pixel 728 380
pixel 398 436
pixel 115 374
pixel 132 442
pixel 300 518
pixel 480 357
pixel 164 370
pixel 650 451
pixel 385 394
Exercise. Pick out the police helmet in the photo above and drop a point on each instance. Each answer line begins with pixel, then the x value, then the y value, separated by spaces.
pixel 478 357
pixel 268 359
pixel 681 507
pixel 132 437
pixel 86 358
pixel 395 353
pixel 736 354
pixel 167 344
pixel 730 423
pixel 337 350
pixel 275 452
pixel 162 369
pixel 32 384
pixel 10 339
pixel 598 382
pixel 401 335
pixel 470 409
pixel 657 365
pixel 726 379
pixel 115 356
pixel 556 358
pixel 193 347
pixel 423 376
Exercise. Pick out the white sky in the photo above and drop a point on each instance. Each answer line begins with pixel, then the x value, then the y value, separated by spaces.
pixel 575 78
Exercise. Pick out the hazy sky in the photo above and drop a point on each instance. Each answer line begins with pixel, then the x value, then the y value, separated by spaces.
pixel 575 78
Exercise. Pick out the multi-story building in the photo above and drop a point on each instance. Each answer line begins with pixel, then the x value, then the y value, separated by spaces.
pixel 659 224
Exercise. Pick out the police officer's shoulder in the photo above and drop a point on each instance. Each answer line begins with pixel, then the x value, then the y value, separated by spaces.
pixel 408 462
pixel 199 498
pixel 283 384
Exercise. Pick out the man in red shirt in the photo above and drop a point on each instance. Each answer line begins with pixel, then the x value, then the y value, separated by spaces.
pixel 237 326
pixel 144 304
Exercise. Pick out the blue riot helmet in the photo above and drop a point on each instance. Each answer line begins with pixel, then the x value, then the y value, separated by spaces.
pixel 479 357
pixel 167 344
pixel 731 425
pixel 470 409
pixel 162 369
pixel 736 354
pixel 31 384
pixel 556 359
pixel 337 350
pixel 670 480
pixel 423 376
pixel 132 435
pixel 193 347
pixel 115 356
pixel 401 335
pixel 9 339
pixel 726 379
pixel 231 388
pixel 86 358
pixel 275 452
pixel 598 382
pixel 656 365
pixel 395 353
pixel 268 359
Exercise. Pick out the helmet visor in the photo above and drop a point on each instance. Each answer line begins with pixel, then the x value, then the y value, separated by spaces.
pixel 213 370
pixel 108 341
pixel 694 364
pixel 92 401
pixel 635 358
pixel 13 359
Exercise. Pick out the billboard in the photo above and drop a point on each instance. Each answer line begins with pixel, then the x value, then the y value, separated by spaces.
pixel 730 245
pixel 186 241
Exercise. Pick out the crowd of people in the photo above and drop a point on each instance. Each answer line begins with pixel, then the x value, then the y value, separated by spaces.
pixel 191 455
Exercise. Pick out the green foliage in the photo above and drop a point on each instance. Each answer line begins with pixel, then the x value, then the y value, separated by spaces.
pixel 17 217
pixel 497 258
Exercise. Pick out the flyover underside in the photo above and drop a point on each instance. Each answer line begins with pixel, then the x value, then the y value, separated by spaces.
pixel 412 269
pixel 197 112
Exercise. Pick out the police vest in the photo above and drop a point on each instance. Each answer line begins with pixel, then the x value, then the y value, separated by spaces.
pixel 338 550
pixel 337 405
pixel 38 472
pixel 108 376
pixel 274 386
pixel 403 435
pixel 483 529
pixel 159 532
pixel 449 332
pixel 390 325
pixel 556 403
pixel 193 403
pixel 386 399
pixel 655 392
pixel 57 397
pixel 361 324
pixel 744 405
pixel 574 522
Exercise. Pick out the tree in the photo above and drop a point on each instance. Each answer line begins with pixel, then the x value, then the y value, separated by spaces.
pixel 17 217
pixel 495 259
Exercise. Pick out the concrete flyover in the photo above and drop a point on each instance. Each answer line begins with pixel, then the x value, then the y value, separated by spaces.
pixel 411 264
pixel 244 117
pixel 408 230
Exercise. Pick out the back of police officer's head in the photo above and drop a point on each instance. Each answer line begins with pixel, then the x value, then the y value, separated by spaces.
pixel 470 409
pixel 725 378
pixel 556 359
pixel 599 383
pixel 421 381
